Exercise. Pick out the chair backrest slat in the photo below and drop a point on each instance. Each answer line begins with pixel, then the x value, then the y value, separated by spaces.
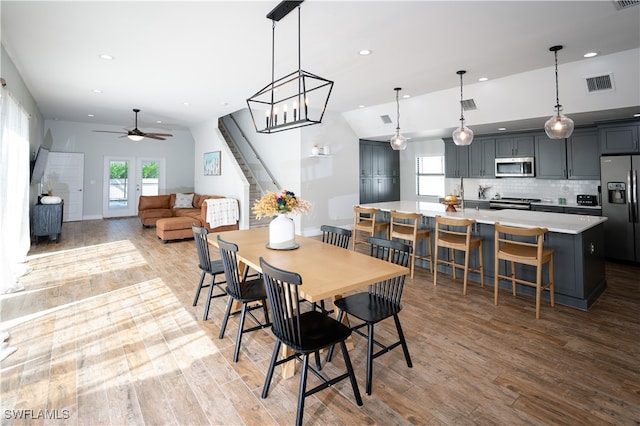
pixel 336 236
pixel 282 294
pixel 231 269
pixel 394 252
pixel 202 245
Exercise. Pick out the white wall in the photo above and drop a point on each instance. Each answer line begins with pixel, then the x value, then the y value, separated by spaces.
pixel 65 136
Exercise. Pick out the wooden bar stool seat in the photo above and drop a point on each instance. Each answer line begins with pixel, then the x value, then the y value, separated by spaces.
pixel 406 226
pixel 455 234
pixel 365 221
pixel 525 246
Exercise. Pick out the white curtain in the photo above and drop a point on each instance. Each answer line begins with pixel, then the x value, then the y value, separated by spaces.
pixel 14 192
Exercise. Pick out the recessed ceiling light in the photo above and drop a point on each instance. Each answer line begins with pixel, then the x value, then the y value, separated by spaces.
pixel 97 91
pixel 364 52
pixel 106 57
pixel 483 79
pixel 360 106
pixel 590 54
pixel 502 129
pixel 158 121
pixel 90 115
pixel 406 96
pixel 185 103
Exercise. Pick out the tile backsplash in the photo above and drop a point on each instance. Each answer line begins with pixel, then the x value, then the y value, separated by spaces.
pixel 544 189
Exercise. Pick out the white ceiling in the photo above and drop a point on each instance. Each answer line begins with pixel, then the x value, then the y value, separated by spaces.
pixel 215 54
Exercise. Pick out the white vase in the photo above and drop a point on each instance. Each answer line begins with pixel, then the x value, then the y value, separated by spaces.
pixel 282 232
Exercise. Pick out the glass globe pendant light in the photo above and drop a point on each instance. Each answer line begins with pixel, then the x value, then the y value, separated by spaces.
pixel 558 126
pixel 462 135
pixel 398 142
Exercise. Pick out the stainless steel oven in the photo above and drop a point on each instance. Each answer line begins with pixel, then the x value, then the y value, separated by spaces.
pixel 515 167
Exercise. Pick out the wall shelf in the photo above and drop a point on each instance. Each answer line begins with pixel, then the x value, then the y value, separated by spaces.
pixel 321 155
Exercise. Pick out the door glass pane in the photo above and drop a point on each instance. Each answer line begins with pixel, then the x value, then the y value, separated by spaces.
pixel 118 184
pixel 150 174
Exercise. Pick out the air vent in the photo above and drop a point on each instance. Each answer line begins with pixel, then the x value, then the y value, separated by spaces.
pixel 386 119
pixel 623 4
pixel 469 105
pixel 600 83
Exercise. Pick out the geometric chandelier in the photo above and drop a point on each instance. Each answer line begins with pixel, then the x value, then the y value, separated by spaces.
pixel 296 100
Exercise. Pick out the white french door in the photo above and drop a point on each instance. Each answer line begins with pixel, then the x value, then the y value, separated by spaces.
pixel 125 179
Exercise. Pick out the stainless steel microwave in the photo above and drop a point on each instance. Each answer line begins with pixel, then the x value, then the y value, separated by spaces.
pixel 515 167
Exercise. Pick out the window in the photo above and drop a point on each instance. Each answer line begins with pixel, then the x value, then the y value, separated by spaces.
pixel 430 176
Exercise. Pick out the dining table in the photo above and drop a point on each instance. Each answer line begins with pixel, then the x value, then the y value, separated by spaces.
pixel 327 271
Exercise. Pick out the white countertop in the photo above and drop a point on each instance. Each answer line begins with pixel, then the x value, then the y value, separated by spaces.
pixel 554 222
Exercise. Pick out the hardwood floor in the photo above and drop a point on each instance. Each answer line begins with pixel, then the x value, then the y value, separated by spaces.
pixel 106 334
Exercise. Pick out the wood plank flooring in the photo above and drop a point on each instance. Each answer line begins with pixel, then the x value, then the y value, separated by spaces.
pixel 106 334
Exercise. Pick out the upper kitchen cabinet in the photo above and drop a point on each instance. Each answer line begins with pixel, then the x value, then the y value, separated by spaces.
pixel 378 159
pixel 551 157
pixel 515 146
pixel 482 154
pixel 583 154
pixel 456 159
pixel 619 138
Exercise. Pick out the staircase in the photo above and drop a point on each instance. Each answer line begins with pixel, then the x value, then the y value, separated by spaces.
pixel 254 191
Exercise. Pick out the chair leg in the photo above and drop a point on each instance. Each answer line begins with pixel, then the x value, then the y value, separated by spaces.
pixel 226 318
pixel 208 303
pixel 480 258
pixel 352 375
pixel 318 364
pixel 552 289
pixel 496 279
pixel 434 262
pixel 272 365
pixel 195 300
pixel 513 278
pixel 303 389
pixel 240 328
pixel 403 342
pixel 330 351
pixel 452 256
pixel 369 357
pixel 467 255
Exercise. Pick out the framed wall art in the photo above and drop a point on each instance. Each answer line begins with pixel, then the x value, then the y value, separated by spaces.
pixel 212 163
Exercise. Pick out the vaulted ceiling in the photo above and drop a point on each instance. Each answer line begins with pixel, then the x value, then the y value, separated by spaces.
pixel 186 62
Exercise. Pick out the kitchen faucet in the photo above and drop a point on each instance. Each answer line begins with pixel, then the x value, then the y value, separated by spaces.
pixel 462 192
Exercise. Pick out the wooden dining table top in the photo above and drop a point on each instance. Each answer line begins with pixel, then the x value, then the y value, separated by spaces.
pixel 327 271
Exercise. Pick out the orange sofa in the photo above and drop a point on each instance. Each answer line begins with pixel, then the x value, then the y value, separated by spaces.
pixel 154 208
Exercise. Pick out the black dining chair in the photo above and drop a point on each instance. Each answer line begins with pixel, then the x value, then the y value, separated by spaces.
pixel 379 303
pixel 336 236
pixel 244 290
pixel 304 333
pixel 207 266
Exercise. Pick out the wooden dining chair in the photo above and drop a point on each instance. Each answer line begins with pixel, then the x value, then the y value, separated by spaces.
pixel 305 333
pixel 406 227
pixel 365 221
pixel 525 246
pixel 244 290
pixel 382 301
pixel 455 234
pixel 207 266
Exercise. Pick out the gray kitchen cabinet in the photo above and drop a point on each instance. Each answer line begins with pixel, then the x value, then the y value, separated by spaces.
pixel 567 210
pixel 456 160
pixel 583 154
pixel 544 208
pixel 47 221
pixel 619 139
pixel 379 172
pixel 551 157
pixel 515 146
pixel 482 153
pixel 480 204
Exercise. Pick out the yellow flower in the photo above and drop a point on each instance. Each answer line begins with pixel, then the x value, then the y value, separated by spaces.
pixel 287 202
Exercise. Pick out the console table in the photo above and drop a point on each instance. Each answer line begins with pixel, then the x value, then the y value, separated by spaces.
pixel 47 221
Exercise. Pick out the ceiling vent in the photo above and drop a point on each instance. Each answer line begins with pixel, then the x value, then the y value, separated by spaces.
pixel 469 105
pixel 386 119
pixel 623 4
pixel 600 83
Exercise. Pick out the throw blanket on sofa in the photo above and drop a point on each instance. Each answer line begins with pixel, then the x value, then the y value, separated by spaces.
pixel 221 212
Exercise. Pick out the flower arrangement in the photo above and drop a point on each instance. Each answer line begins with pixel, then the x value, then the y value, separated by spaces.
pixel 272 204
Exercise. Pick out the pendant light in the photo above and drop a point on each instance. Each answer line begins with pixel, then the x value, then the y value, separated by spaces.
pixel 462 135
pixel 558 126
pixel 398 142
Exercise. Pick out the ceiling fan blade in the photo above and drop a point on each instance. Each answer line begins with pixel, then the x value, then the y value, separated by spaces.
pixel 154 136
pixel 108 131
pixel 158 134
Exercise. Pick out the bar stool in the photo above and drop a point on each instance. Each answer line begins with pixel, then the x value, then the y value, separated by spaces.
pixel 365 221
pixel 449 233
pixel 405 226
pixel 527 250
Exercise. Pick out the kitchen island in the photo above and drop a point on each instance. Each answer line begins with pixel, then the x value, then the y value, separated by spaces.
pixel 577 240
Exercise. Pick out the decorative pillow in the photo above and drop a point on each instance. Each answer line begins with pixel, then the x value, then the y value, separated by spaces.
pixel 183 201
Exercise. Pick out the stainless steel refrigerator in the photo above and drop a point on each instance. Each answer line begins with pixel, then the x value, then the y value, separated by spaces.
pixel 619 198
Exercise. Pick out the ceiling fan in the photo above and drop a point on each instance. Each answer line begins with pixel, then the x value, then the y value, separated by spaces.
pixel 136 134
